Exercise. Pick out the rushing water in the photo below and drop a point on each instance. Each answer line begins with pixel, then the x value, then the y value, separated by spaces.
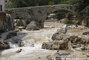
pixel 31 41
pixel 34 38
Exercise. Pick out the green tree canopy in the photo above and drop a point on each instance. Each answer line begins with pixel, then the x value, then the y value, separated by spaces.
pixel 81 7
pixel 26 3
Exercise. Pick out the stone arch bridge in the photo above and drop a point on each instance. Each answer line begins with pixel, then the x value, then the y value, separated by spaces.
pixel 37 13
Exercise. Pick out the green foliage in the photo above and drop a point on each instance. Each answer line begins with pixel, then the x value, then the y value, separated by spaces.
pixel 23 3
pixel 66 21
pixel 69 15
pixel 63 14
pixel 64 2
pixel 51 3
pixel 81 7
pixel 27 3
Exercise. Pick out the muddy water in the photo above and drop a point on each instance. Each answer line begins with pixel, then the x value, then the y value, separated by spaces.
pixel 40 36
pixel 30 52
pixel 32 42
pixel 36 38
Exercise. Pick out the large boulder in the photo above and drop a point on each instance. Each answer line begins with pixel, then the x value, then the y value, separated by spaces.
pixel 69 43
pixel 4 44
pixel 59 35
pixel 63 41
pixel 78 42
pixel 57 45
pixel 55 56
pixel 15 42
pixel 86 33
pixel 11 34
pixel 33 25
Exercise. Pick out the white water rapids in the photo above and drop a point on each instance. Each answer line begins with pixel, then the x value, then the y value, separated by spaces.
pixel 32 44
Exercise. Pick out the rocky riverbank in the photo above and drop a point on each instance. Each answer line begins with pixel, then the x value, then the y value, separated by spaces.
pixel 26 45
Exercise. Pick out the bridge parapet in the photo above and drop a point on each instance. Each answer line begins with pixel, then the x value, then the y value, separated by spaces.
pixel 38 13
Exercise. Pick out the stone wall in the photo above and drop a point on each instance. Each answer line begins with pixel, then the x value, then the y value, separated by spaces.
pixel 37 13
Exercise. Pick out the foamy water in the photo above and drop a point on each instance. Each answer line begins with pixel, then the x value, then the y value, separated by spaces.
pixel 32 45
pixel 29 51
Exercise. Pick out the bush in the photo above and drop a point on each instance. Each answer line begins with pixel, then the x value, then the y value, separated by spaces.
pixel 51 3
pixel 69 15
pixel 65 21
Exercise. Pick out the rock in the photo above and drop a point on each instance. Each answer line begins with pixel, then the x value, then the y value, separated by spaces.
pixel 4 44
pixel 70 46
pixel 86 33
pixel 61 30
pixel 59 35
pixel 56 45
pixel 39 57
pixel 58 58
pixel 62 41
pixel 66 46
pixel 18 51
pixel 77 40
pixel 87 55
pixel 55 56
pixel 33 25
pixel 15 42
pixel 11 34
pixel 46 45
pixel 69 42
pixel 74 39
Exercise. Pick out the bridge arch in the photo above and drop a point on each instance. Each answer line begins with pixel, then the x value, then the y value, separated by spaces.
pixel 66 7
pixel 39 13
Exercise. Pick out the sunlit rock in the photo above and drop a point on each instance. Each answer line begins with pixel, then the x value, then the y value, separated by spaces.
pixel 33 25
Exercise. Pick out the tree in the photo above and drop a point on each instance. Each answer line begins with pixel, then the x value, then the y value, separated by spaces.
pixel 27 3
pixel 64 2
pixel 81 7
pixel 51 3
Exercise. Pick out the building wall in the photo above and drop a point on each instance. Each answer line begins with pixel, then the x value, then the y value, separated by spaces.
pixel 2 2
